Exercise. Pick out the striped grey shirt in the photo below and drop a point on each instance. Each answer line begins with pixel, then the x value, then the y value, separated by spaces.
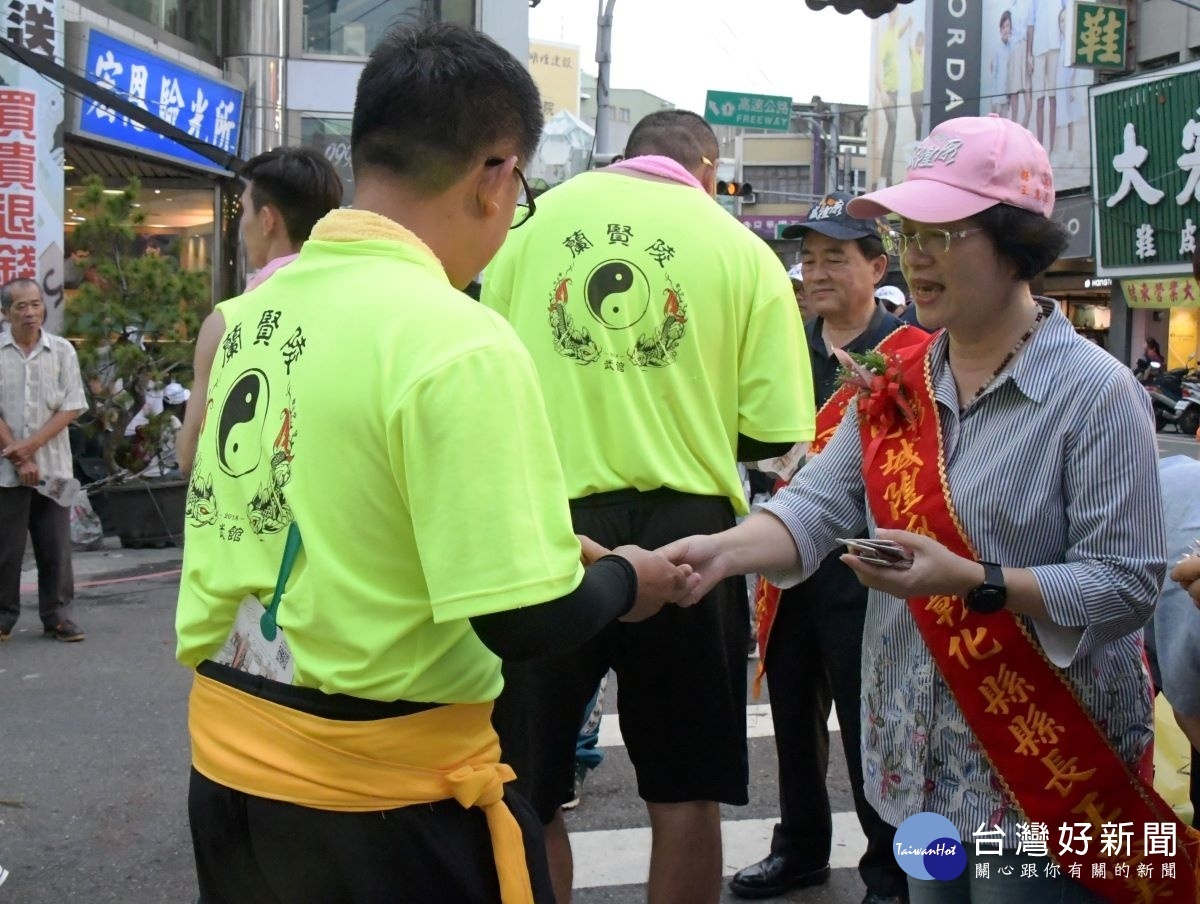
pixel 34 389
pixel 1054 468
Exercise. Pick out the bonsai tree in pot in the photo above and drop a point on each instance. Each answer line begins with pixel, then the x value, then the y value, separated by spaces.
pixel 134 320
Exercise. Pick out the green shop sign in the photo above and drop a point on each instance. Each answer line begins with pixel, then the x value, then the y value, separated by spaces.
pixel 1146 172
pixel 1100 36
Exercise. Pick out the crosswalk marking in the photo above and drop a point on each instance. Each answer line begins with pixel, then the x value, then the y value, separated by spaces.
pixel 622 856
pixel 758 725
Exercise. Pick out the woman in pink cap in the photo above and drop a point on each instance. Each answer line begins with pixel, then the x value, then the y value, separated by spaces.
pixel 1006 471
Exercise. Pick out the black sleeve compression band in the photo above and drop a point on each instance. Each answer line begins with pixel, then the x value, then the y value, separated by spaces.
pixel 607 591
pixel 750 449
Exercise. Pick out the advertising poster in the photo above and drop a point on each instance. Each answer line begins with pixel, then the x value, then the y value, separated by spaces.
pixel 31 157
pixel 1027 77
pixel 898 117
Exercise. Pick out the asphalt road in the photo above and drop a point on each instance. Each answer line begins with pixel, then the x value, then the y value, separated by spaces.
pixel 93 743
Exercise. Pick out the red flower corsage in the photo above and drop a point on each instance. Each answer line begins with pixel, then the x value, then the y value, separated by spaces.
pixel 882 398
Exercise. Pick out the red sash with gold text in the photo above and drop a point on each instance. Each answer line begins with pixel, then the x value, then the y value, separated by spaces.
pixel 1048 752
pixel 766 594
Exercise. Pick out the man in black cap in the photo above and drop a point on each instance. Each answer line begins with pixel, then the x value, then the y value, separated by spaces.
pixel 815 646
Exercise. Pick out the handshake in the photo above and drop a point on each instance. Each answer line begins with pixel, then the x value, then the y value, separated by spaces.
pixel 663 576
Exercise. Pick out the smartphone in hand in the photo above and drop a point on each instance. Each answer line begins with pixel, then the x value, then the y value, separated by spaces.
pixel 884 553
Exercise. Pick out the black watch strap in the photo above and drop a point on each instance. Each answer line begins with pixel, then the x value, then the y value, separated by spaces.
pixel 991 595
pixel 993 574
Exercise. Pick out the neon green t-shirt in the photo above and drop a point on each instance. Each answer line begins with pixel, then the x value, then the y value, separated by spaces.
pixel 400 424
pixel 661 328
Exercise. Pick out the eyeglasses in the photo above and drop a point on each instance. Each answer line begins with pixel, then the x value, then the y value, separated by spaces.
pixel 525 205
pixel 928 241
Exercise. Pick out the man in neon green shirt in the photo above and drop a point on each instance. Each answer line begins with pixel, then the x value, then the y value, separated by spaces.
pixel 376 516
pixel 669 347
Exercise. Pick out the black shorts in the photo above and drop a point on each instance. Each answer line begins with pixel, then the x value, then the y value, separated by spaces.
pixel 681 675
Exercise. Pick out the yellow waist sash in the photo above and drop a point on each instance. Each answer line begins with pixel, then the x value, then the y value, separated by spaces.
pixel 272 751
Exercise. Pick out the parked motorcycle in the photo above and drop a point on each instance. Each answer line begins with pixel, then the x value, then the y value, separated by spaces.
pixel 1175 397
pixel 1187 410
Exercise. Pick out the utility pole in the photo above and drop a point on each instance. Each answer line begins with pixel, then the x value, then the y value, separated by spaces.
pixel 603 59
pixel 833 159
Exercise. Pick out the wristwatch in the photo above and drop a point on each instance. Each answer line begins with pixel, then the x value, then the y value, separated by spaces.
pixel 991 595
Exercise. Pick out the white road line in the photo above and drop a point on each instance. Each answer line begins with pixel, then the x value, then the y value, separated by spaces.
pixel 622 856
pixel 758 725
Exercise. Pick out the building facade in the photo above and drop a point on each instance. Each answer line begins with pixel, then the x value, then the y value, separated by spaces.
pixel 242 75
pixel 626 107
pixel 933 60
pixel 788 172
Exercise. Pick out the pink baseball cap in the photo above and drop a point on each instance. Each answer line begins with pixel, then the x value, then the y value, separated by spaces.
pixel 965 166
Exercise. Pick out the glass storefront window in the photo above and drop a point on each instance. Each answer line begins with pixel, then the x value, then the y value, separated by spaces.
pixel 179 224
pixel 354 27
pixel 332 138
pixel 192 20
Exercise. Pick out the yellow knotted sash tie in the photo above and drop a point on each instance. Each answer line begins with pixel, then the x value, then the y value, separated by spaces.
pixel 272 751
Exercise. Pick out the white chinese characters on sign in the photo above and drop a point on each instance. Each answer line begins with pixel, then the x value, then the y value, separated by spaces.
pixel 199 107
pixel 170 100
pixel 1187 239
pixel 223 129
pixel 1190 162
pixel 1126 163
pixel 139 79
pixel 107 69
pixel 1144 241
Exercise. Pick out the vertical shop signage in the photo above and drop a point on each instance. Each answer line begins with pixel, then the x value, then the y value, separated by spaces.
pixel 205 108
pixel 1146 157
pixel 1099 37
pixel 31 155
pixel 956 29
pixel 18 184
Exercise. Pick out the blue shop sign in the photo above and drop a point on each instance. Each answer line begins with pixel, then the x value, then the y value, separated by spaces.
pixel 208 109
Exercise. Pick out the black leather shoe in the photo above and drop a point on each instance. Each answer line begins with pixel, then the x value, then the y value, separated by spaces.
pixel 873 898
pixel 774 875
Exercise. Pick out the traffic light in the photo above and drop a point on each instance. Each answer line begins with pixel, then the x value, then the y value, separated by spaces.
pixel 735 189
pixel 873 9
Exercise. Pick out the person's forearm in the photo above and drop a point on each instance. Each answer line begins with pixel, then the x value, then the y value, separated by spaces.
pixel 761 543
pixel 6 435
pixel 56 425
pixel 1024 596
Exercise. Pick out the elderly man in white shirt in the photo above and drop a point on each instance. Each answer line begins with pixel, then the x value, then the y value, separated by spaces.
pixel 41 393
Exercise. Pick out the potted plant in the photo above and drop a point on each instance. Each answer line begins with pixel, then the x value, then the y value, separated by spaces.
pixel 134 321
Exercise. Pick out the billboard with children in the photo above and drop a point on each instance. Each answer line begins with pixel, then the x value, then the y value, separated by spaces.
pixel 1021 73
pixel 1027 77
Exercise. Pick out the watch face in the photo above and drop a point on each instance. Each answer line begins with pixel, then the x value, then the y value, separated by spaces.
pixel 986 599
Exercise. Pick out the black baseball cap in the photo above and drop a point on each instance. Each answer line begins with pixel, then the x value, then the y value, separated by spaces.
pixel 829 217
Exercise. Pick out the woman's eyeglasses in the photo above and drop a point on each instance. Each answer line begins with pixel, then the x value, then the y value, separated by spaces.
pixel 933 242
pixel 525 205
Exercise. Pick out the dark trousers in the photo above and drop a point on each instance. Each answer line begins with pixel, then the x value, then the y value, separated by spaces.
pixel 814 659
pixel 23 511
pixel 250 850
